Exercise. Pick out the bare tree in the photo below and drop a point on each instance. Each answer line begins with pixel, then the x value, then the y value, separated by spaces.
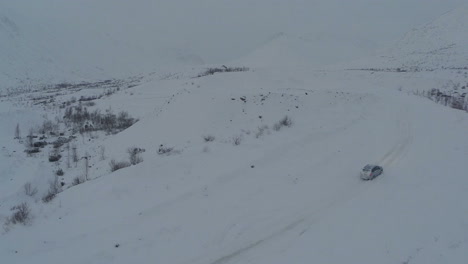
pixel 75 155
pixel 17 132
pixel 86 158
pixel 68 154
pixel 103 153
pixel 30 141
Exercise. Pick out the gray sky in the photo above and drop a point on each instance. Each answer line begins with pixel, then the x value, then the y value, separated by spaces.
pixel 219 30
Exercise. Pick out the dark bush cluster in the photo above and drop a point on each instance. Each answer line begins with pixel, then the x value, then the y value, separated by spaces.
pixel 30 151
pixel 54 157
pixel 211 71
pixel 284 122
pixel 117 165
pixel 208 138
pixel 21 215
pixel 84 121
pixel 77 180
pixel 134 155
pixel 454 100
pixel 163 150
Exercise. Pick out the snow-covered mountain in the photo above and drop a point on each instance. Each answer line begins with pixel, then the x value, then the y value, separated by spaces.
pixel 51 41
pixel 442 43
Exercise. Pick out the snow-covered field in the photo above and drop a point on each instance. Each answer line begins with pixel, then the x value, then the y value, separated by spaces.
pixel 262 166
pixel 291 195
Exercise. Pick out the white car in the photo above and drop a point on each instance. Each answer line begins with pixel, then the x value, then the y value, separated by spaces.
pixel 370 171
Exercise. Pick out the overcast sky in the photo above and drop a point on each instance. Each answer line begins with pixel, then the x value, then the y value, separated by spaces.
pixel 220 30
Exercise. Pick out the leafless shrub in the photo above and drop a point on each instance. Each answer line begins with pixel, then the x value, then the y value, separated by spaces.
pixel 134 155
pixel 261 131
pixel 17 132
pixel 77 180
pixel 164 150
pixel 29 190
pixel 117 165
pixel 54 188
pixel 21 215
pixel 31 151
pixel 284 122
pixel 208 138
pixel 59 172
pixel 53 157
pixel 236 140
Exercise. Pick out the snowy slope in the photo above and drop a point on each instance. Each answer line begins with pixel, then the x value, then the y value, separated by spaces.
pixel 301 201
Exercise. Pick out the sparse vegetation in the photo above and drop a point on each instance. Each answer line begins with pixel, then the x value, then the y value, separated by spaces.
pixel 236 140
pixel 211 71
pixel 54 188
pixel 164 150
pixel 208 138
pixel 55 156
pixel 59 172
pixel 21 215
pixel 261 131
pixel 77 180
pixel 134 155
pixel 117 165
pixel 83 121
pixel 454 100
pixel 17 132
pixel 284 122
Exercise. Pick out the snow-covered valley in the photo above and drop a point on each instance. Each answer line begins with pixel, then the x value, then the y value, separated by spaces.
pixel 259 165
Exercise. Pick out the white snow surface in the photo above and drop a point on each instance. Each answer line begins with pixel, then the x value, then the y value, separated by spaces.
pixel 291 195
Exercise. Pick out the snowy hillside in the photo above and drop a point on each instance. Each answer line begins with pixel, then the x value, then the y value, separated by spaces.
pixel 442 43
pixel 252 161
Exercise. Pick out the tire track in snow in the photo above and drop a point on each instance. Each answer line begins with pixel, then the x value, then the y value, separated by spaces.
pixel 405 139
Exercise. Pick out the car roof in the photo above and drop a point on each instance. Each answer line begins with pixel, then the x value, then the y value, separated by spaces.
pixel 369 167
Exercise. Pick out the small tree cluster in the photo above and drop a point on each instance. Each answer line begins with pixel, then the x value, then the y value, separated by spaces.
pixel 211 71
pixel 453 100
pixel 84 121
